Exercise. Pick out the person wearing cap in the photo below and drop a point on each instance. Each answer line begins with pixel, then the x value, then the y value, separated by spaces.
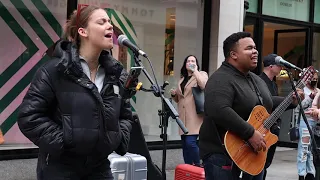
pixel 270 71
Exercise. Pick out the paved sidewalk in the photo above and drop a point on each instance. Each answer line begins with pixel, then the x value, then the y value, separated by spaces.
pixel 283 167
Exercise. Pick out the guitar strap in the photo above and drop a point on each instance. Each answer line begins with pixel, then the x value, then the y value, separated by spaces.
pixel 256 89
pixel 297 124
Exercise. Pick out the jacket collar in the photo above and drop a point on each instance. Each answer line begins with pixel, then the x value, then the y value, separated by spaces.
pixel 69 62
pixel 229 67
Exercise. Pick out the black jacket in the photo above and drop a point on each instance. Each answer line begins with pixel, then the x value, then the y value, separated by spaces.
pixel 272 86
pixel 230 97
pixel 64 112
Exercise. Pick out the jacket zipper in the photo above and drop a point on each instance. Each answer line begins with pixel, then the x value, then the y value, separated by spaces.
pixel 47 159
pixel 102 121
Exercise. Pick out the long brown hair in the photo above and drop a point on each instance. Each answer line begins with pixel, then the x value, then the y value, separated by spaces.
pixel 78 19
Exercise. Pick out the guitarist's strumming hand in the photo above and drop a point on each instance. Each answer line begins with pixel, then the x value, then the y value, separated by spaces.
pixel 294 98
pixel 257 141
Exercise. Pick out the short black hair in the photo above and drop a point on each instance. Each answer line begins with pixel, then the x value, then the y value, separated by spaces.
pixel 184 71
pixel 232 40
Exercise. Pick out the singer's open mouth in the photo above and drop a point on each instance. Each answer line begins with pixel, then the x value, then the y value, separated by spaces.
pixel 109 35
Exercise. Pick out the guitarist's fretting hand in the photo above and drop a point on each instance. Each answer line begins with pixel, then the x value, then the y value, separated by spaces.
pixel 257 141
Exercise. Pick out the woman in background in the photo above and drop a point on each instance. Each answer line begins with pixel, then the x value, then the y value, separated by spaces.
pixel 190 77
pixel 305 165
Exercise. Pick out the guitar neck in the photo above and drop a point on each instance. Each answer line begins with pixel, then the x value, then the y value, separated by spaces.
pixel 282 107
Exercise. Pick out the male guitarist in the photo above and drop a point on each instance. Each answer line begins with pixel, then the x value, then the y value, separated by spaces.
pixel 230 95
pixel 270 71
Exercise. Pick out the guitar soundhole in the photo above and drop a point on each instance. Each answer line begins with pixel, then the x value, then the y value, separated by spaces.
pixel 259 116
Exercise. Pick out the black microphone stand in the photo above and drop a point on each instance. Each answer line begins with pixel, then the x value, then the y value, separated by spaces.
pixel 167 111
pixel 315 149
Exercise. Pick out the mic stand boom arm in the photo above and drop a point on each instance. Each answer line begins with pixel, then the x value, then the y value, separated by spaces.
pixel 158 93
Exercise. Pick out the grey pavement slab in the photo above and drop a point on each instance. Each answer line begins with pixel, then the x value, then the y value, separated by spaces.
pixel 283 167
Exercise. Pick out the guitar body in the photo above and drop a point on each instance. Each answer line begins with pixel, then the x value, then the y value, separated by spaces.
pixel 241 152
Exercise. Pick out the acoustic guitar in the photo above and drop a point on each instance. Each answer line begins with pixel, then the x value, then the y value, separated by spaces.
pixel 241 152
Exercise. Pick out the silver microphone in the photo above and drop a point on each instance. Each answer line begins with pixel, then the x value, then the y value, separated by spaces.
pixel 280 61
pixel 124 41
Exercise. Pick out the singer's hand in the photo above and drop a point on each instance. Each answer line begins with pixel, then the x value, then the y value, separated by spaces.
pixel 301 95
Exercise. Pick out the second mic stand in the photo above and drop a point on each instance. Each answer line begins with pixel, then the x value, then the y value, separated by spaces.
pixel 167 111
pixel 163 113
pixel 315 149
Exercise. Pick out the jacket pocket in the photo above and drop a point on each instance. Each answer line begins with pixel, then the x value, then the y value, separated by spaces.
pixel 112 108
pixel 67 130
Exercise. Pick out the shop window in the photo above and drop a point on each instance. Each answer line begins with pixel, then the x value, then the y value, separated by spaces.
pixel 28 30
pixel 316 52
pixel 275 40
pixel 167 31
pixel 169 41
pixel 253 6
pixel 297 10
pixel 317 11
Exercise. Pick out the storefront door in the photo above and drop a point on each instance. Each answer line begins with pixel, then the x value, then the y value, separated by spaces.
pixel 291 45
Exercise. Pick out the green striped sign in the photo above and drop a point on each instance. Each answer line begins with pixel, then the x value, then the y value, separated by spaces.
pixel 31 28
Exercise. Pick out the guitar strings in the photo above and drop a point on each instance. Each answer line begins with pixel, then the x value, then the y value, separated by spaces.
pixel 281 108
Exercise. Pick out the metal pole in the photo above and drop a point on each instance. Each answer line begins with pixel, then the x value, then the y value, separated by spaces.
pixel 246 7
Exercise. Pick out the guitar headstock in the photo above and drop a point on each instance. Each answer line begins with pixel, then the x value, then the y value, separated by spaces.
pixel 307 74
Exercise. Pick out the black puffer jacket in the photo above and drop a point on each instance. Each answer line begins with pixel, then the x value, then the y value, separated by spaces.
pixel 64 112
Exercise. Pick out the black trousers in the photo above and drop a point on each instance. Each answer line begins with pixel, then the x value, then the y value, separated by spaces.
pixel 73 168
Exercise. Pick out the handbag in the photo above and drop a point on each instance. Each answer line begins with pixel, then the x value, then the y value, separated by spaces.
pixel 294 134
pixel 198 96
pixel 316 130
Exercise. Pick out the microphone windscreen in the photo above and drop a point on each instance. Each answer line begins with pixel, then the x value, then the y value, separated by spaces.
pixel 278 59
pixel 121 39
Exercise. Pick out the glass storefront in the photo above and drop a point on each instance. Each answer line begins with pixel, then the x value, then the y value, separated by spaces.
pixel 297 9
pixel 28 29
pixel 253 6
pixel 317 11
pixel 275 40
pixel 316 52
pixel 167 31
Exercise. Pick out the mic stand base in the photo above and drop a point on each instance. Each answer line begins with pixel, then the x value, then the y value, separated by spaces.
pixel 164 127
pixel 164 136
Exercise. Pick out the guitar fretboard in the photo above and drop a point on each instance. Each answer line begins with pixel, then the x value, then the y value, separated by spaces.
pixel 281 108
